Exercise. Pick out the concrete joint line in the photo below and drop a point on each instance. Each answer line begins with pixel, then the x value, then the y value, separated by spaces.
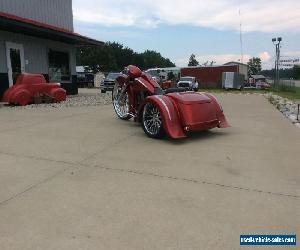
pixel 39 158
pixel 129 171
pixel 106 148
pixel 33 186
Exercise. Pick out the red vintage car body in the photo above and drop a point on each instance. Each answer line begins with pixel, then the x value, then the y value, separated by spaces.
pixel 181 111
pixel 29 86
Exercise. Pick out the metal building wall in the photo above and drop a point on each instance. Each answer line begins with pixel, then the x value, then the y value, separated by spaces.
pixel 3 64
pixel 36 55
pixel 35 52
pixel 210 76
pixel 243 69
pixel 53 12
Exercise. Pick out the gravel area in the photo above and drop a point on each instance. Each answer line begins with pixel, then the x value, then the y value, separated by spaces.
pixel 287 107
pixel 85 97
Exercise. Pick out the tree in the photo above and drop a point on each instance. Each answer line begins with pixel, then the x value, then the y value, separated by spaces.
pixel 193 61
pixel 296 72
pixel 254 66
pixel 153 59
pixel 100 58
pixel 284 73
pixel 113 56
pixel 171 76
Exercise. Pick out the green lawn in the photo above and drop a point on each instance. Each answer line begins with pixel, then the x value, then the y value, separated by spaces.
pixel 293 95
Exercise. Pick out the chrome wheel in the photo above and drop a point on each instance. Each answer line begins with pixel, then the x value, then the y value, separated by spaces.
pixel 152 121
pixel 120 102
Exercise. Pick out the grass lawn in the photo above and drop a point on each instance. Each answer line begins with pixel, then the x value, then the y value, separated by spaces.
pixel 293 95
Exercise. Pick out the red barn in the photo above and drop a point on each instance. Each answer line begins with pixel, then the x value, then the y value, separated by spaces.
pixel 210 76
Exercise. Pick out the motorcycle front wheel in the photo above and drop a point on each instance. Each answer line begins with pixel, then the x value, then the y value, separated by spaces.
pixel 120 102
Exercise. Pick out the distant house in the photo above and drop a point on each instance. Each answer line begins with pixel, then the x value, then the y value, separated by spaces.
pixel 242 68
pixel 37 36
pixel 253 79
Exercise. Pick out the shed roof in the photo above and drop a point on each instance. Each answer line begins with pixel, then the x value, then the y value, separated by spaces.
pixel 235 63
pixel 258 76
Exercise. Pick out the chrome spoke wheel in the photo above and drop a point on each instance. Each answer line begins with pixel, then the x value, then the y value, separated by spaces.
pixel 120 101
pixel 152 121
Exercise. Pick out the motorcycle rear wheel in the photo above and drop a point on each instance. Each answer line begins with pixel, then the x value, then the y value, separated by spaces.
pixel 152 121
pixel 120 103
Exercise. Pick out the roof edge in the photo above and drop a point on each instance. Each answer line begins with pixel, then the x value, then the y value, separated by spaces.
pixel 48 27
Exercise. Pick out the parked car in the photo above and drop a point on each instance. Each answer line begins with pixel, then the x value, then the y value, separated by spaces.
pixel 188 82
pixel 109 82
pixel 262 85
pixel 85 80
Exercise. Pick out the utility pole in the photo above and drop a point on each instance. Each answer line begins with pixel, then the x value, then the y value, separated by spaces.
pixel 241 36
pixel 276 42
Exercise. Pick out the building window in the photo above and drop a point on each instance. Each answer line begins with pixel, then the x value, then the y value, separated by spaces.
pixel 59 66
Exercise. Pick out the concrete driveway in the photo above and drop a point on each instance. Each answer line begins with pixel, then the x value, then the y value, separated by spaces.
pixel 79 178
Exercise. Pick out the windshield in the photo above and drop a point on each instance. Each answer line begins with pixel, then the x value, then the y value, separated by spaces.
pixel 187 79
pixel 113 75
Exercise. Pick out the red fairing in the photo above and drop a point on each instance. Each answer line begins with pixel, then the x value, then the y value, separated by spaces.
pixel 170 116
pixel 28 86
pixel 122 79
pixel 134 71
pixel 146 83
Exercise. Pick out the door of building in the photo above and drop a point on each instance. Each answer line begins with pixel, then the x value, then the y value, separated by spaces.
pixel 15 61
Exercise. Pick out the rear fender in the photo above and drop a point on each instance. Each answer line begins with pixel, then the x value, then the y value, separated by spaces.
pixel 219 111
pixel 169 113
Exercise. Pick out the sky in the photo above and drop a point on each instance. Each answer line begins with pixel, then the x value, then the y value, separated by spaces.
pixel 210 29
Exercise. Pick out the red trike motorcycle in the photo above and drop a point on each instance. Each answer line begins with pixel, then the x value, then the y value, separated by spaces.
pixel 174 111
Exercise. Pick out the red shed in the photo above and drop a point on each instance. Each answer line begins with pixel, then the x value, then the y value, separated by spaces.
pixel 210 76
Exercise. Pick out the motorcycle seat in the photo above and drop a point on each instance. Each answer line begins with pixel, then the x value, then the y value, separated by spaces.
pixel 175 90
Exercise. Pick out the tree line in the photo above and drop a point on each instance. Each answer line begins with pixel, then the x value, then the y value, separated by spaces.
pixel 293 73
pixel 113 56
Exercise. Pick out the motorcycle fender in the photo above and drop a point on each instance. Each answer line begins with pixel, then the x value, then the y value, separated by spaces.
pixel 169 113
pixel 219 111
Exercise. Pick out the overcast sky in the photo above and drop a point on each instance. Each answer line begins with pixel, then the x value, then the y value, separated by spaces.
pixel 208 28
